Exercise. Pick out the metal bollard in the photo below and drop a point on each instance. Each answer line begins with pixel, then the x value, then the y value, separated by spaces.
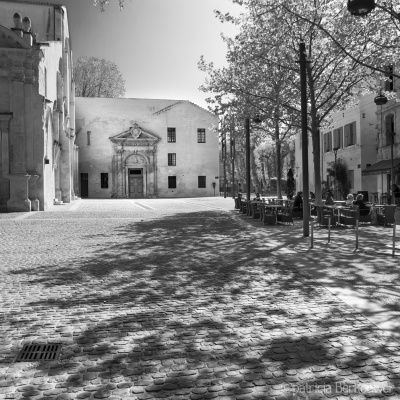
pixel 356 234
pixel 394 239
pixel 312 234
pixel 329 229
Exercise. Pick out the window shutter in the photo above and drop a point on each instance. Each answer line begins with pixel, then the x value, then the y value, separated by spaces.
pixel 325 142
pixel 341 137
pixel 336 139
pixel 329 141
pixel 346 135
pixel 354 132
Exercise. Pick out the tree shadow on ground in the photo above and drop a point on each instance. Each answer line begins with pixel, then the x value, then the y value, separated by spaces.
pixel 189 305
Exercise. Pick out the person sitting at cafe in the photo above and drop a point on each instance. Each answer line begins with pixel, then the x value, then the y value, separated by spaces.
pixel 257 198
pixel 312 196
pixel 329 199
pixel 298 202
pixel 364 209
pixel 349 200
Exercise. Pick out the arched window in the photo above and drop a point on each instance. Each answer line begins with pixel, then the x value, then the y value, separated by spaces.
pixel 389 129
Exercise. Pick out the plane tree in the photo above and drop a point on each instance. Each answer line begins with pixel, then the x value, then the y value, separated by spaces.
pixel 268 45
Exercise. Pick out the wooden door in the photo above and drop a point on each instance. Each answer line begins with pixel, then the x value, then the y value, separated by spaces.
pixel 135 186
pixel 84 185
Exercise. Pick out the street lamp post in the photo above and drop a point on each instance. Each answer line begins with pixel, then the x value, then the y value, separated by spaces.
pixel 335 152
pixel 304 139
pixel 392 181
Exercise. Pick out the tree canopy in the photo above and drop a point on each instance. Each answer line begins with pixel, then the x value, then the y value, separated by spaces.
pixel 96 77
pixel 346 57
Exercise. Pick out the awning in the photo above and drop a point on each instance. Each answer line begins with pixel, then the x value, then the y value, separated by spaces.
pixel 381 167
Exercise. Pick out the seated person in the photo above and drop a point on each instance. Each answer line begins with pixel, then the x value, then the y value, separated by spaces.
pixel 312 196
pixel 329 199
pixel 257 198
pixel 364 209
pixel 298 202
pixel 349 200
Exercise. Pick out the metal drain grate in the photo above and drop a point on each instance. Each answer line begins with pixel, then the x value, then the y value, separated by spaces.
pixel 39 352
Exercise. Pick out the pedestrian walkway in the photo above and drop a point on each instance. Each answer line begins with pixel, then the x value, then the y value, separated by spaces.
pixel 187 299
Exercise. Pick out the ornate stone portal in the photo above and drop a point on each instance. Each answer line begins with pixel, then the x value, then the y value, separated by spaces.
pixel 134 164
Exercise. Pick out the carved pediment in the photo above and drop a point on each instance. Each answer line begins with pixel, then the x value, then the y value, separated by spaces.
pixel 135 136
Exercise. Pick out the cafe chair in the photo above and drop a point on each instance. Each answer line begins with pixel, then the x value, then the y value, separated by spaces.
pixel 255 211
pixel 349 217
pixel 269 216
pixel 324 219
pixel 286 215
pixel 386 216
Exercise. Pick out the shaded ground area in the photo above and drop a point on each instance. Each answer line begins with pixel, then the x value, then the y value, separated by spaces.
pixel 190 306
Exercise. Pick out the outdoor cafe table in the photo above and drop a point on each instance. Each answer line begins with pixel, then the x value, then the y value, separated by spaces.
pixel 265 205
pixel 338 208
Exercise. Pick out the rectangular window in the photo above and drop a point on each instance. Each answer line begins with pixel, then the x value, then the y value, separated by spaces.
pixel 338 138
pixel 328 142
pixel 104 180
pixel 389 129
pixel 350 174
pixel 350 134
pixel 201 135
pixel 171 135
pixel 172 182
pixel 171 158
pixel 88 133
pixel 202 182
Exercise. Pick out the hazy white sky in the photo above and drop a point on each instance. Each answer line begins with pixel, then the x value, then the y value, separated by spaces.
pixel 155 43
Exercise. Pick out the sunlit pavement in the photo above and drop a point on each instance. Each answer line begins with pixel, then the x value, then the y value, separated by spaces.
pixel 187 299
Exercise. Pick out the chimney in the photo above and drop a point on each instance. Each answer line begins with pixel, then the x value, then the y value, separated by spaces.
pixel 17 24
pixel 27 35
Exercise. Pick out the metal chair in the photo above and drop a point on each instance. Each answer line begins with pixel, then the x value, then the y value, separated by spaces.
pixel 269 216
pixel 387 215
pixel 286 215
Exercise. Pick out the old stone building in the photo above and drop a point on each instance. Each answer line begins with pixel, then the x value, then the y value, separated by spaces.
pixel 38 157
pixel 132 148
pixel 127 147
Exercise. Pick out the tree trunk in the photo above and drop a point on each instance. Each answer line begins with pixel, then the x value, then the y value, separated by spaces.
pixel 253 168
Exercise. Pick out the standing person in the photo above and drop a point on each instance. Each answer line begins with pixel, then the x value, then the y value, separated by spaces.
pixel 364 209
pixel 329 199
pixel 298 202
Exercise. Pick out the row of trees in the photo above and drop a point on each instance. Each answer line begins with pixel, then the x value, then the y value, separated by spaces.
pixel 346 58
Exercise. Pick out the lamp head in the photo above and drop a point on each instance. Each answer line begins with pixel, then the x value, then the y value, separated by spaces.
pixel 257 119
pixel 360 8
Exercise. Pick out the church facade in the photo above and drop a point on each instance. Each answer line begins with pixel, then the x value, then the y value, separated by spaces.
pixel 146 148
pixel 38 157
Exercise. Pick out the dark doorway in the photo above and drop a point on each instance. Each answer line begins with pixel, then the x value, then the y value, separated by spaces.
pixel 135 183
pixel 84 185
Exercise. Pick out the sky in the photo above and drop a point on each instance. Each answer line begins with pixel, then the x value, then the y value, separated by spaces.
pixel 156 44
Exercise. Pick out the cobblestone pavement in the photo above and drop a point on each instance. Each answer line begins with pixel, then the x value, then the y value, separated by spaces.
pixel 183 299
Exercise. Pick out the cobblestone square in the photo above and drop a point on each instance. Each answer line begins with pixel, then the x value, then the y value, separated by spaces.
pixel 185 299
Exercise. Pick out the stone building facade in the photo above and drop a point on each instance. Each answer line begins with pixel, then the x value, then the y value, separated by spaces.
pixel 134 148
pixel 38 157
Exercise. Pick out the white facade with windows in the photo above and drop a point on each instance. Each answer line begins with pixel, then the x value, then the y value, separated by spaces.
pixel 146 148
pixel 353 133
